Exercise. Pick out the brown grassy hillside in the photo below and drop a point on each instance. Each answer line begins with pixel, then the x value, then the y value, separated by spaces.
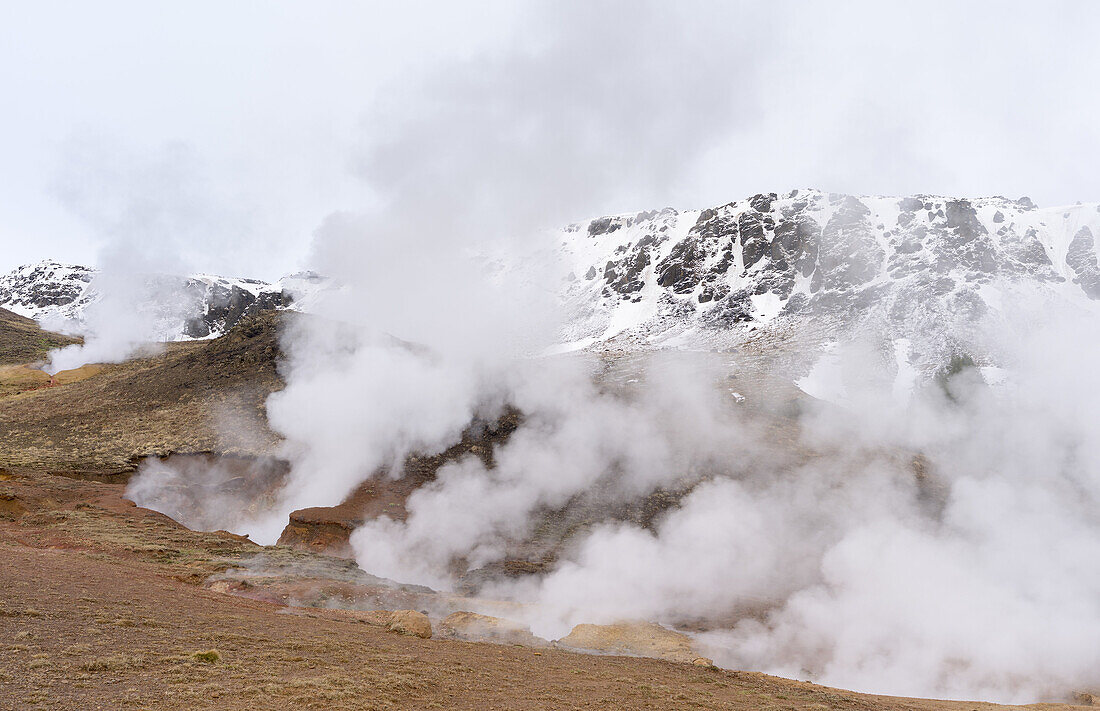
pixel 22 341
pixel 190 397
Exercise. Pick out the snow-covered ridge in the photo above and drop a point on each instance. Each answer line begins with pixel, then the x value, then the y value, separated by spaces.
pixel 47 289
pixel 808 258
pixel 198 306
pixel 804 262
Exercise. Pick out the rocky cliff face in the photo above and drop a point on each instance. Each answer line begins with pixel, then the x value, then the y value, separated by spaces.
pixel 809 259
pixel 47 288
pixel 220 303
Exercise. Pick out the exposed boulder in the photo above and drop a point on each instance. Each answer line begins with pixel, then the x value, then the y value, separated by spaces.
pixel 1081 258
pixel 678 269
pixel 472 627
pixel 407 622
pixel 853 255
pixel 322 529
pixel 220 307
pixel 971 244
pixel 910 204
pixel 637 639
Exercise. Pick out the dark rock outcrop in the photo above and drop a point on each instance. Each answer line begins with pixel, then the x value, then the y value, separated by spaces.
pixel 1081 258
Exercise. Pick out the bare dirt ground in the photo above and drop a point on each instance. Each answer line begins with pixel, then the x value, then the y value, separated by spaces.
pixel 100 610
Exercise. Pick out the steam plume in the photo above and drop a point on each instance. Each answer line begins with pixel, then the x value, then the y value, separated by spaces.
pixel 822 551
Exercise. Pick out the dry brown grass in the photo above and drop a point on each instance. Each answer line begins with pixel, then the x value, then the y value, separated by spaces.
pixel 22 341
pixel 275 661
pixel 191 397
pixel 114 662
pixel 63 512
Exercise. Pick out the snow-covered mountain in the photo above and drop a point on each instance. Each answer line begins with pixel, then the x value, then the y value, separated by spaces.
pixel 47 289
pixel 198 306
pixel 806 265
pixel 921 268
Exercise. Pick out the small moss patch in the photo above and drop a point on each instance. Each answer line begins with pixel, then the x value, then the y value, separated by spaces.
pixel 210 656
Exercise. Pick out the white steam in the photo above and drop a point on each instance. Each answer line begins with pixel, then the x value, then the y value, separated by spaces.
pixel 476 165
pixel 148 210
pixel 134 312
pixel 997 595
pixel 204 494
pixel 810 548
pixel 575 440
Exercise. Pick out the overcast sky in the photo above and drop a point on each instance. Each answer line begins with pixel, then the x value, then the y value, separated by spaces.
pixel 231 129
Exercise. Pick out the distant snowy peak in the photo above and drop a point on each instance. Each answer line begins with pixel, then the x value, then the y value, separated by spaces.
pixel 914 263
pixel 47 288
pixel 198 306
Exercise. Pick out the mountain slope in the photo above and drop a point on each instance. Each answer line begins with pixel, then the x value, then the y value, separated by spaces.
pixel 920 267
pixel 922 270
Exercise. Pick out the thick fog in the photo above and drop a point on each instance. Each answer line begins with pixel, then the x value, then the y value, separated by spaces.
pixel 152 213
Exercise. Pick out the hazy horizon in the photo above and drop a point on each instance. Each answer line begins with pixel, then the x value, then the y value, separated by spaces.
pixel 246 133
